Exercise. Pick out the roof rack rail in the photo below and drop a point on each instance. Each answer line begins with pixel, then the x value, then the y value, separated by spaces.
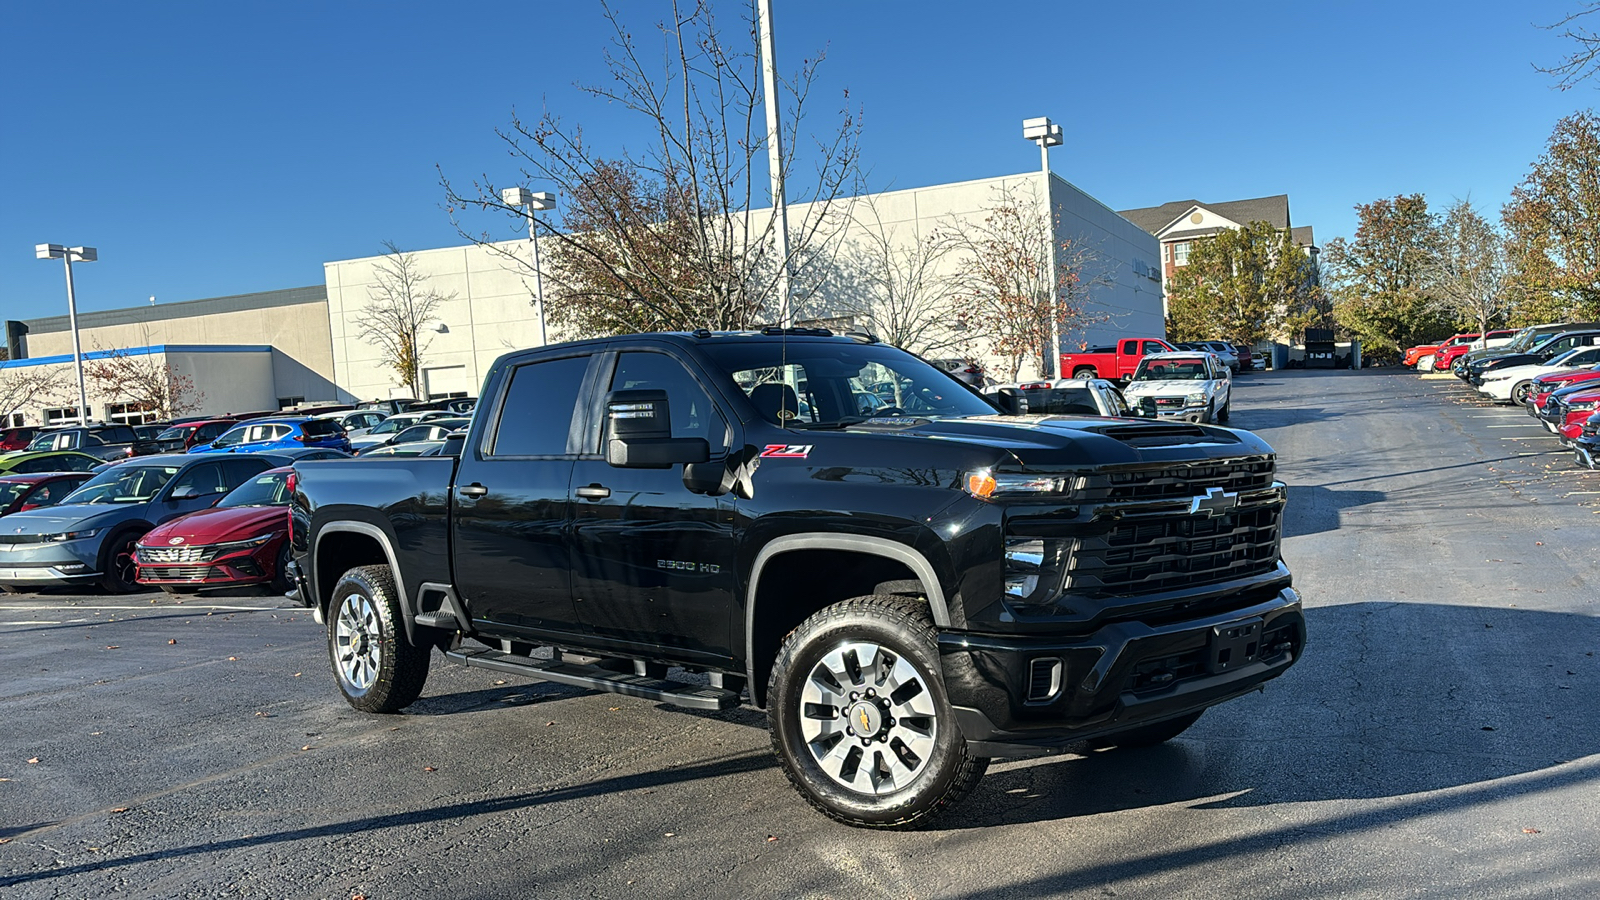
pixel 774 330
pixel 865 337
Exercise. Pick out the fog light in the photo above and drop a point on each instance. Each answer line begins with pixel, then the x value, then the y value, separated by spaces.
pixel 1024 559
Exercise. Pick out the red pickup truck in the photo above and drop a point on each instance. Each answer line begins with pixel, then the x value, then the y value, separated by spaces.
pixel 1114 363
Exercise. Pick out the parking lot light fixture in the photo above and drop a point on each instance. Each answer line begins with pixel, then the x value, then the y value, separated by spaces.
pixel 534 201
pixel 1047 134
pixel 67 255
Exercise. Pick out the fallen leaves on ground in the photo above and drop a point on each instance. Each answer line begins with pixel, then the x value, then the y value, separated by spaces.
pixel 120 809
pixel 772 838
pixel 33 760
pixel 172 640
pixel 113 646
pixel 263 715
pixel 1530 831
pixel 233 659
pixel 430 768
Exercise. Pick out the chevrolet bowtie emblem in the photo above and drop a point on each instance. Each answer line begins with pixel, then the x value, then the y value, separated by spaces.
pixel 1214 502
pixel 865 721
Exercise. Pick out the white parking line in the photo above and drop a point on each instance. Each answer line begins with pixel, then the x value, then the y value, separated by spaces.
pixel 1518 425
pixel 39 622
pixel 151 606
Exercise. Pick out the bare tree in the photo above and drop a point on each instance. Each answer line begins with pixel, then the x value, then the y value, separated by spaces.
pixel 142 382
pixel 22 387
pixel 1468 270
pixel 665 236
pixel 400 305
pixel 1010 299
pixel 1583 61
pixel 900 286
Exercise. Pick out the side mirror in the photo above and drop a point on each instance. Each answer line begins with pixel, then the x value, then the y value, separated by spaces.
pixel 186 492
pixel 1011 401
pixel 639 433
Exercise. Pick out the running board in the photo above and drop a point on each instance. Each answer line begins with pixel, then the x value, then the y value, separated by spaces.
pixel 595 678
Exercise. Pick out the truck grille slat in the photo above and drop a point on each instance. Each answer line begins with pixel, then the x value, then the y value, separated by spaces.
pixel 1246 474
pixel 1193 550
pixel 174 573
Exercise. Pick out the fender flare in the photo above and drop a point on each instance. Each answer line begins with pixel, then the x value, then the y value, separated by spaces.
pixel 856 543
pixel 379 535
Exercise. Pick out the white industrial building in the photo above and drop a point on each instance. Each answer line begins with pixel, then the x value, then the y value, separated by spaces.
pixel 280 348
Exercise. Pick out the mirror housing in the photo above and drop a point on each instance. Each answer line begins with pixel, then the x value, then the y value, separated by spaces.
pixel 639 433
pixel 183 493
pixel 1011 401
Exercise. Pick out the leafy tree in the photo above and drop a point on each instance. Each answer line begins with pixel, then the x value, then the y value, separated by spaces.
pixel 1553 224
pixel 23 386
pixel 1468 274
pixel 1009 300
pixel 1377 279
pixel 400 305
pixel 1243 285
pixel 664 236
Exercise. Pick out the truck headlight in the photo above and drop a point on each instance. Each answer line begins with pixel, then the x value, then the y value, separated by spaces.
pixel 986 485
pixel 1195 399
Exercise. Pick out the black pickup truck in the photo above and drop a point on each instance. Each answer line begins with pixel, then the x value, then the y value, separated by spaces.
pixel 907 578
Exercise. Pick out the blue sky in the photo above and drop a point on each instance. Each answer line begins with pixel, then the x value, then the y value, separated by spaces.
pixel 221 148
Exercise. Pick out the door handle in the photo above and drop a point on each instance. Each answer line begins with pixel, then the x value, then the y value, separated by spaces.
pixel 474 490
pixel 594 492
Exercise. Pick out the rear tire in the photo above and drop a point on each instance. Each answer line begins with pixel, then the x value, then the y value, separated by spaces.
pixel 860 718
pixel 1085 372
pixel 1148 735
pixel 377 668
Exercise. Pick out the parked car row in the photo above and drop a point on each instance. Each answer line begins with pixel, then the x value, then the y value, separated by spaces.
pixel 1552 371
pixel 1187 385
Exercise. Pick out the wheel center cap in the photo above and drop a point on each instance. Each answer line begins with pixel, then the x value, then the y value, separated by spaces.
pixel 866 718
pixel 358 643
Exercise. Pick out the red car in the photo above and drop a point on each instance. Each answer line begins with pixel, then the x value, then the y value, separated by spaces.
pixel 1580 407
pixel 1460 346
pixel 242 540
pixel 17 438
pixel 1545 385
pixel 1415 354
pixel 20 492
pixel 179 438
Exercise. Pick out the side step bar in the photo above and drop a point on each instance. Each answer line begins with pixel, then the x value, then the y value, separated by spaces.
pixel 595 678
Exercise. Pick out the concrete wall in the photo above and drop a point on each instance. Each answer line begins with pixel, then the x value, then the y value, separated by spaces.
pixel 232 378
pixel 489 311
pixel 1129 258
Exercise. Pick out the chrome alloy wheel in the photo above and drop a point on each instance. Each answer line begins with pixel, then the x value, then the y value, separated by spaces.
pixel 357 639
pixel 868 718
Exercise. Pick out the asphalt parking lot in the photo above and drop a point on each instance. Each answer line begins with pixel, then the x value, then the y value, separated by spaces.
pixel 1438 739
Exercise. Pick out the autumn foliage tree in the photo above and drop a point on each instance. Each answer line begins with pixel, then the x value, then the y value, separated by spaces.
pixel 143 382
pixel 668 234
pixel 1553 225
pixel 1377 278
pixel 21 387
pixel 1243 285
pixel 1010 300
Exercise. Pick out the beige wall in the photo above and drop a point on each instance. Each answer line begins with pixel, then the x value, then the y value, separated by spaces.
pixel 231 381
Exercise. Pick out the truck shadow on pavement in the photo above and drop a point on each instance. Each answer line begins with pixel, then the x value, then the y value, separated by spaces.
pixel 1391 700
pixel 1314 509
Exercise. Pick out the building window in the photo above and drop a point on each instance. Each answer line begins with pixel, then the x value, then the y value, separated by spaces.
pixel 288 402
pixel 129 414
pixel 1180 253
pixel 62 415
pixel 15 420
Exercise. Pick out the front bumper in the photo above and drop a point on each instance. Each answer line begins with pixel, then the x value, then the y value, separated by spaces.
pixel 50 564
pixel 1019 696
pixel 211 567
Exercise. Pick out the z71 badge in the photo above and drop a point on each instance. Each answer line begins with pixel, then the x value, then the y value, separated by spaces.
pixel 786 451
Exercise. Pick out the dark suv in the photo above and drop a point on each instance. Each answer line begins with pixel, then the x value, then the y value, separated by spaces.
pixel 105 441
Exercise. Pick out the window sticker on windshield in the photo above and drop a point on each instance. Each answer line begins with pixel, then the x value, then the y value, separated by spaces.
pixel 787 451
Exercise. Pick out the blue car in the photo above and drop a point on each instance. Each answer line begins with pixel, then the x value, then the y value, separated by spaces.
pixel 89 536
pixel 279 434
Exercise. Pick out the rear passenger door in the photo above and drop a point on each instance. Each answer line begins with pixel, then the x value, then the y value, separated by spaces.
pixel 511 507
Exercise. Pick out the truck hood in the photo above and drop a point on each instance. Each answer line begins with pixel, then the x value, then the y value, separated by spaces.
pixel 76 517
pixel 1139 388
pixel 215 526
pixel 1061 441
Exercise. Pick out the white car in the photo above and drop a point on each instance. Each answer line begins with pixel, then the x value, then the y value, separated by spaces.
pixel 1187 385
pixel 356 422
pixel 388 428
pixel 1513 382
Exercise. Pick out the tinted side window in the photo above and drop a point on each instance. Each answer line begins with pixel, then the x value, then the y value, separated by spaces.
pixel 238 470
pixel 321 427
pixel 1130 347
pixel 693 414
pixel 205 478
pixel 538 410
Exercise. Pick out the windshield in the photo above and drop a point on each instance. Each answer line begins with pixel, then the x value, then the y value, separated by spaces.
pixel 10 491
pixel 811 384
pixel 271 489
pixel 1171 369
pixel 392 424
pixel 233 436
pixel 175 433
pixel 126 483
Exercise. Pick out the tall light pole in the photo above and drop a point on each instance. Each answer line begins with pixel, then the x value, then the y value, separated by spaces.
pixel 780 208
pixel 534 201
pixel 66 255
pixel 1047 134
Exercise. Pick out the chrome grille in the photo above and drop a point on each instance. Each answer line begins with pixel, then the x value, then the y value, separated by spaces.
pixel 169 555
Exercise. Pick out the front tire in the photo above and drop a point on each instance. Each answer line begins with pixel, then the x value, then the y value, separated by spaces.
pixel 1519 394
pixel 118 571
pixel 378 669
pixel 860 718
pixel 1225 411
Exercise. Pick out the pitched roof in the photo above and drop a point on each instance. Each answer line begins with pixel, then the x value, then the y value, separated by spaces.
pixel 1302 236
pixel 1273 210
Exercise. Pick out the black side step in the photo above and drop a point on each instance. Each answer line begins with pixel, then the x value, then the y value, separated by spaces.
pixel 595 678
